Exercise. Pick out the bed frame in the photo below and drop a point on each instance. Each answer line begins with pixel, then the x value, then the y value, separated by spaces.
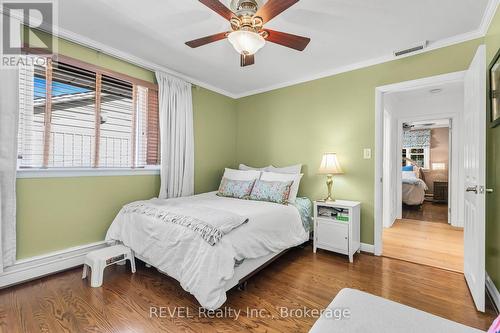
pixel 245 270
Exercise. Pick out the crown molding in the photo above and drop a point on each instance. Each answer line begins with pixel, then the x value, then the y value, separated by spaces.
pixel 121 55
pixel 367 63
pixel 102 48
pixel 479 33
pixel 90 43
pixel 488 16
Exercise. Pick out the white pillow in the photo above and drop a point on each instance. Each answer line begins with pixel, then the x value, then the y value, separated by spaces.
pixel 246 168
pixel 283 177
pixel 293 169
pixel 241 174
pixel 409 175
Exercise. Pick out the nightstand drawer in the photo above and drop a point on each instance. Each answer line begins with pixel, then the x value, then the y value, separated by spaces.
pixel 333 234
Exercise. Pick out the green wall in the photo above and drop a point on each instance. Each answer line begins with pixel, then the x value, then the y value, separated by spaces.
pixel 492 41
pixel 57 213
pixel 215 138
pixel 298 124
pixel 286 126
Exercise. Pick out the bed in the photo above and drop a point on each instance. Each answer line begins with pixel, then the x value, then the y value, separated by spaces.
pixel 207 264
pixel 413 183
pixel 413 193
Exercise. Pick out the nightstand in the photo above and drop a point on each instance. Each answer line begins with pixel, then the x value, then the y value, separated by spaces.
pixel 441 191
pixel 337 227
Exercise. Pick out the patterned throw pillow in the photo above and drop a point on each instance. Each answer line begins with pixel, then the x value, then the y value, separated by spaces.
pixel 231 188
pixel 272 191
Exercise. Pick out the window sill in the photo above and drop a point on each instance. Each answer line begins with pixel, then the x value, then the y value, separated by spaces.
pixel 86 172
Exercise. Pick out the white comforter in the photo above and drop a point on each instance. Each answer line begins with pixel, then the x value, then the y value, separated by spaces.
pixel 203 269
pixel 413 192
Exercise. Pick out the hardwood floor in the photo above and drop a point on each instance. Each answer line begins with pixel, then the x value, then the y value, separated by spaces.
pixel 429 211
pixel 66 303
pixel 434 244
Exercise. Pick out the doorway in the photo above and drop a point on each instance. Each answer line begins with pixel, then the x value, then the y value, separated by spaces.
pixel 425 163
pixel 422 230
pixel 468 166
pixel 422 163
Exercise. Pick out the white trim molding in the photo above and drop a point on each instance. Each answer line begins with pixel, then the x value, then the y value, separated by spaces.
pixel 102 48
pixel 125 56
pixel 86 172
pixel 90 43
pixel 493 292
pixel 39 266
pixel 368 248
pixel 367 63
pixel 488 16
pixel 465 37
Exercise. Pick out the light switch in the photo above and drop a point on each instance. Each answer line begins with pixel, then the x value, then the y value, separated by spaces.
pixel 367 153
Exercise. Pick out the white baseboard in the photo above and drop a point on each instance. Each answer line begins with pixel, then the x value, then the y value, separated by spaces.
pixel 367 248
pixel 36 267
pixel 493 292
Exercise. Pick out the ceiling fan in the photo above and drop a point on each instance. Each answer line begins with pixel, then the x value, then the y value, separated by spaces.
pixel 247 33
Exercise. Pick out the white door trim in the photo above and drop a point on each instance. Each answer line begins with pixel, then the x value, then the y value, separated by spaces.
pixel 379 139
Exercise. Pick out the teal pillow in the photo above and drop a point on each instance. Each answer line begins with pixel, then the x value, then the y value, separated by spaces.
pixel 272 191
pixel 239 189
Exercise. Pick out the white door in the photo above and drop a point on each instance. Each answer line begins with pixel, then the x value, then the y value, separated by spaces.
pixel 475 176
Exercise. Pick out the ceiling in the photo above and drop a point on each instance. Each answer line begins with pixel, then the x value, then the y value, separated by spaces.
pixel 429 104
pixel 439 92
pixel 343 33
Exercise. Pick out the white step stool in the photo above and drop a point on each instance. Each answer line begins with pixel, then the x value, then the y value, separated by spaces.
pixel 100 259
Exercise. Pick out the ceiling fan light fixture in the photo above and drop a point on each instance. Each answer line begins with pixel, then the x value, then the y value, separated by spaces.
pixel 246 42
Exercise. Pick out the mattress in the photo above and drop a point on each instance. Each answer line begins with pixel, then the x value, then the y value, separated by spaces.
pixel 369 313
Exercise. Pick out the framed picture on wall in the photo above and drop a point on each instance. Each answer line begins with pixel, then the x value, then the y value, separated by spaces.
pixel 494 90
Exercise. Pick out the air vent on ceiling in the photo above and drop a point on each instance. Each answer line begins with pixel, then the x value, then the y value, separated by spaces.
pixel 414 48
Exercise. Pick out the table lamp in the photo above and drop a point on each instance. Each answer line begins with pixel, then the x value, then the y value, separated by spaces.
pixel 330 166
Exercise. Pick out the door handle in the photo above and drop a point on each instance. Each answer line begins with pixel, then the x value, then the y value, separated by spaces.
pixel 471 189
pixel 489 190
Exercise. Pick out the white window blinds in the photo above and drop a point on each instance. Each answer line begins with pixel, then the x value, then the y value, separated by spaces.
pixel 75 117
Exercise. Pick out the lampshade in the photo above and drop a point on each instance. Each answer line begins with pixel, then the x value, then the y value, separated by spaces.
pixel 246 42
pixel 438 166
pixel 330 165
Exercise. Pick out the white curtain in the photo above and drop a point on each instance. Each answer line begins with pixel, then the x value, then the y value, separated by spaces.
pixel 177 136
pixel 9 117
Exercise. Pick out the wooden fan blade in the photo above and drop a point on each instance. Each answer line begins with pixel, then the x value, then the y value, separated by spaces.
pixel 272 8
pixel 247 60
pixel 219 8
pixel 206 40
pixel 298 43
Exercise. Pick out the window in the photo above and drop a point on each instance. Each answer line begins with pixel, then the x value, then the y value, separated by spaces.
pixel 76 116
pixel 419 155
